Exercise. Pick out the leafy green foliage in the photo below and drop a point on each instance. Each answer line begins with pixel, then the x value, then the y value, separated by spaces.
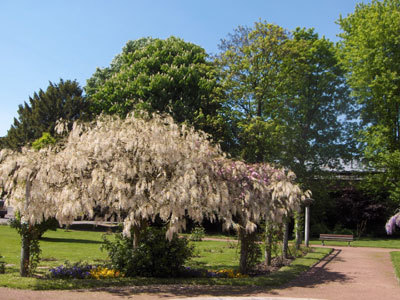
pixel 63 100
pixel 395 256
pixel 45 140
pixel 84 245
pixel 154 257
pixel 38 229
pixel 287 92
pixel 369 51
pixel 250 251
pixel 98 79
pixel 32 234
pixel 249 65
pixel 197 234
pixel 2 265
pixel 31 237
pixel 164 76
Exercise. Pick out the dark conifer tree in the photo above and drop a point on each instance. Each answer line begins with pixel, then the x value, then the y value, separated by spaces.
pixel 63 100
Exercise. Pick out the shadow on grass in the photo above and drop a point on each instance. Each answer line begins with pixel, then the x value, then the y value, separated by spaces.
pixel 61 240
pixel 290 276
pixel 287 277
pixel 318 274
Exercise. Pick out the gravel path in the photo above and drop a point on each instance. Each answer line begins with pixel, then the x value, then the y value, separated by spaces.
pixel 349 273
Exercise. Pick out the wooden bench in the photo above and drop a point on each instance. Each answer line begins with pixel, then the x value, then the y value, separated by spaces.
pixel 336 237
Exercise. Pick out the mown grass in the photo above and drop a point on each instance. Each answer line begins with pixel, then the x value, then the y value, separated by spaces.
pixel 392 243
pixel 57 246
pixel 85 246
pixel 388 242
pixel 396 263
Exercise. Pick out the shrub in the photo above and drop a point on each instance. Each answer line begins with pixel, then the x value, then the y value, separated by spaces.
pixel 318 228
pixel 2 265
pixel 32 234
pixel 339 229
pixel 38 229
pixel 154 257
pixel 197 234
pixel 45 140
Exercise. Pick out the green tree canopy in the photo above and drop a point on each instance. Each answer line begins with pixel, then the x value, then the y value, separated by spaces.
pixel 158 75
pixel 63 100
pixel 287 93
pixel 94 83
pixel 370 52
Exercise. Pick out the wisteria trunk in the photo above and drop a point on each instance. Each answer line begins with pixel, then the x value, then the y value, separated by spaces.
pixel 298 228
pixel 137 233
pixel 285 244
pixel 245 244
pixel 24 268
pixel 268 243
pixel 25 240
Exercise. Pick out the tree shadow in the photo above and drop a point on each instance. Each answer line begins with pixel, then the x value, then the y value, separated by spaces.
pixel 319 274
pixel 316 275
pixel 61 240
pixel 177 290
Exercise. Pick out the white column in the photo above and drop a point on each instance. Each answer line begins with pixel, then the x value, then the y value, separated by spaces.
pixel 307 227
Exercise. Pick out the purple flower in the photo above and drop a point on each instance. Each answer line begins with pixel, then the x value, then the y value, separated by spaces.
pixel 391 224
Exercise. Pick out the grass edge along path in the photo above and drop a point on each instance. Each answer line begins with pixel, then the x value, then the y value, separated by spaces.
pixel 273 280
pixel 395 256
pixel 391 243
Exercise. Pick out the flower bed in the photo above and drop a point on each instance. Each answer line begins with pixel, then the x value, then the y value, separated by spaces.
pixel 225 273
pixel 83 271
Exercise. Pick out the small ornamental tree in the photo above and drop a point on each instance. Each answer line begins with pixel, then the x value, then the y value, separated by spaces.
pixel 140 168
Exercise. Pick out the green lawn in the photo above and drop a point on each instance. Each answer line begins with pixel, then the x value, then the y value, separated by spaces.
pixel 396 262
pixel 215 255
pixel 58 246
pixel 393 243
pixel 389 242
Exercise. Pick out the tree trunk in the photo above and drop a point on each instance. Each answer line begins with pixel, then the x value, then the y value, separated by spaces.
pixel 243 251
pixel 268 243
pixel 24 267
pixel 25 243
pixel 247 248
pixel 136 236
pixel 285 238
pixel 137 232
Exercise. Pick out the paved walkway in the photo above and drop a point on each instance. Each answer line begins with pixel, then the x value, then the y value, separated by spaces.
pixel 349 273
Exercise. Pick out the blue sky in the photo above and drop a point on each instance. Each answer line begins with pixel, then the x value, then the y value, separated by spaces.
pixel 45 40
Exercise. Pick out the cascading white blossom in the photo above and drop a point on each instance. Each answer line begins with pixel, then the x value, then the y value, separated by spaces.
pixel 138 168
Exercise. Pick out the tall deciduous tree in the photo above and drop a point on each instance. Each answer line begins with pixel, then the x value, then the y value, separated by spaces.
pixel 370 53
pixel 316 113
pixel 250 63
pixel 155 168
pixel 161 76
pixel 287 93
pixel 63 100
pixel 98 79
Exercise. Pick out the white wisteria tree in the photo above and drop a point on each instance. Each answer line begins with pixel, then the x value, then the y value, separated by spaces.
pixel 140 168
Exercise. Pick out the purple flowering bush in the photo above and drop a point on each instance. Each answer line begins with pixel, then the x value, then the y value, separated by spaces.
pixel 77 270
pixel 392 223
